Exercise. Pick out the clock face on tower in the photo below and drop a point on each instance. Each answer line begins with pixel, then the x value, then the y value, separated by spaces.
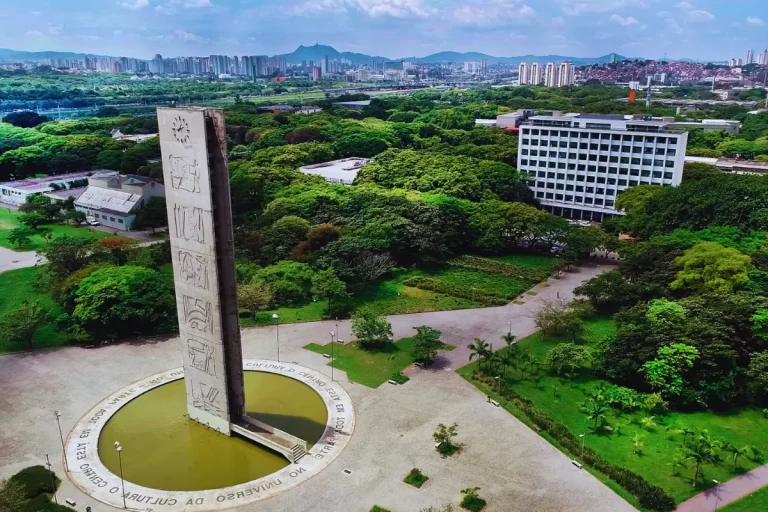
pixel 180 129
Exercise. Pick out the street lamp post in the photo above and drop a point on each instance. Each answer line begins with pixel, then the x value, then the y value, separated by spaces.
pixel 122 480
pixel 57 414
pixel 509 324
pixel 583 440
pixel 277 334
pixel 717 493
pixel 498 384
pixel 332 361
pixel 53 478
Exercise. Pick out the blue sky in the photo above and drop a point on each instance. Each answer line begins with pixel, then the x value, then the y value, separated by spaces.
pixel 705 29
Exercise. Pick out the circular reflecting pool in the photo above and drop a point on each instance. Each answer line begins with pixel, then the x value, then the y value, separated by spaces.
pixel 164 449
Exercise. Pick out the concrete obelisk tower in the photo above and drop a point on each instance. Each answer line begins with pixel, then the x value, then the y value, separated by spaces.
pixel 192 141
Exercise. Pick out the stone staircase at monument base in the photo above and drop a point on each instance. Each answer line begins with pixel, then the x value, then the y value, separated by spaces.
pixel 291 447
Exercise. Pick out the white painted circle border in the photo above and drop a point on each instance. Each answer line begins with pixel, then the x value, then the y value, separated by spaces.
pixel 93 478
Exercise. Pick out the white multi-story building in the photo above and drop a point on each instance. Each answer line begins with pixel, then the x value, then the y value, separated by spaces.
pixel 550 75
pixel 524 72
pixel 566 74
pixel 579 163
pixel 535 78
pixel 763 58
pixel 750 57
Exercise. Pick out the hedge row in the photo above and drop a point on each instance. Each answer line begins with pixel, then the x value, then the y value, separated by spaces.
pixel 497 267
pixel 426 283
pixel 650 496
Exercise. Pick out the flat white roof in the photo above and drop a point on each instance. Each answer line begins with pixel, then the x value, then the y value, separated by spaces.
pixel 98 198
pixel 344 170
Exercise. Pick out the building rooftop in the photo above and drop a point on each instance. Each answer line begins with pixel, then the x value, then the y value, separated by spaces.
pixel 98 198
pixel 361 103
pixel 36 185
pixel 337 171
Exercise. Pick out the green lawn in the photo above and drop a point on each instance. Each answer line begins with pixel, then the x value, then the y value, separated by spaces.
pixel 17 286
pixel 539 261
pixel 9 220
pixel 755 502
pixel 370 368
pixel 562 400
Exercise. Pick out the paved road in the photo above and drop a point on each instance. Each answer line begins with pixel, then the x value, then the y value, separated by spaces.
pixel 12 260
pixel 458 328
pixel 730 491
pixel 515 468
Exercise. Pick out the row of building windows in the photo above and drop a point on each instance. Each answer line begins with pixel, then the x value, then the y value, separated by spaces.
pixel 637 150
pixel 576 188
pixel 104 217
pixel 601 179
pixel 602 136
pixel 624 148
pixel 568 198
pixel 524 162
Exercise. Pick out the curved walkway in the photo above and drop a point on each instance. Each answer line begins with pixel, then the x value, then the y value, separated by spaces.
pixel 730 491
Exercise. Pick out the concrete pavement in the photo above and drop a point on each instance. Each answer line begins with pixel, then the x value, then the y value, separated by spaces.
pixel 730 491
pixel 514 467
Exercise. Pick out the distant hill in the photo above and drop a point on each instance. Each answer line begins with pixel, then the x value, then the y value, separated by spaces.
pixel 7 55
pixel 318 52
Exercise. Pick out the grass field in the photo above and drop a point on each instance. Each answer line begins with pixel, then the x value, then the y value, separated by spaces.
pixel 9 220
pixel 755 502
pixel 391 297
pixel 538 261
pixel 562 400
pixel 370 368
pixel 17 286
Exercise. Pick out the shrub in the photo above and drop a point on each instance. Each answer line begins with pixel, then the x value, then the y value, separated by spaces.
pixel 472 501
pixel 399 378
pixel 498 267
pixel 416 478
pixel 425 283
pixel 650 496
pixel 377 508
pixel 36 480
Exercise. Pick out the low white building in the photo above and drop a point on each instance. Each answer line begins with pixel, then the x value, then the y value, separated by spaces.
pixel 18 192
pixel 114 200
pixel 337 171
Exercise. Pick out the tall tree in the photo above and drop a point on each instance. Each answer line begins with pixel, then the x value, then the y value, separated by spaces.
pixel 21 324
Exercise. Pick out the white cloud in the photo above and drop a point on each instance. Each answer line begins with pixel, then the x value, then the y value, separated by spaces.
pixel 699 15
pixel 754 21
pixel 558 21
pixel 578 7
pixel 181 35
pixel 166 9
pixel 89 37
pixel 493 12
pixel 54 29
pixel 133 5
pixel 624 22
pixel 191 4
pixel 34 33
pixel 374 8
pixel 685 5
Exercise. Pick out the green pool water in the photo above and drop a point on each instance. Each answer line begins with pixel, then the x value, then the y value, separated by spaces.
pixel 163 449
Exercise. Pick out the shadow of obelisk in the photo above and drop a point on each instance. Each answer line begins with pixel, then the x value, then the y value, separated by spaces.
pixel 193 146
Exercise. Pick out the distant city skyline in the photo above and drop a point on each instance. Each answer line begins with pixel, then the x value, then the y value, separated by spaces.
pixel 703 29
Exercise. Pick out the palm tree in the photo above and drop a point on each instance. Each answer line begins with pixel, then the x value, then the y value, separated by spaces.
pixel 744 451
pixel 637 444
pixel 596 410
pixel 648 423
pixel 678 461
pixel 509 338
pixel 686 431
pixel 506 358
pixel 478 349
pixel 530 361
pixel 701 451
